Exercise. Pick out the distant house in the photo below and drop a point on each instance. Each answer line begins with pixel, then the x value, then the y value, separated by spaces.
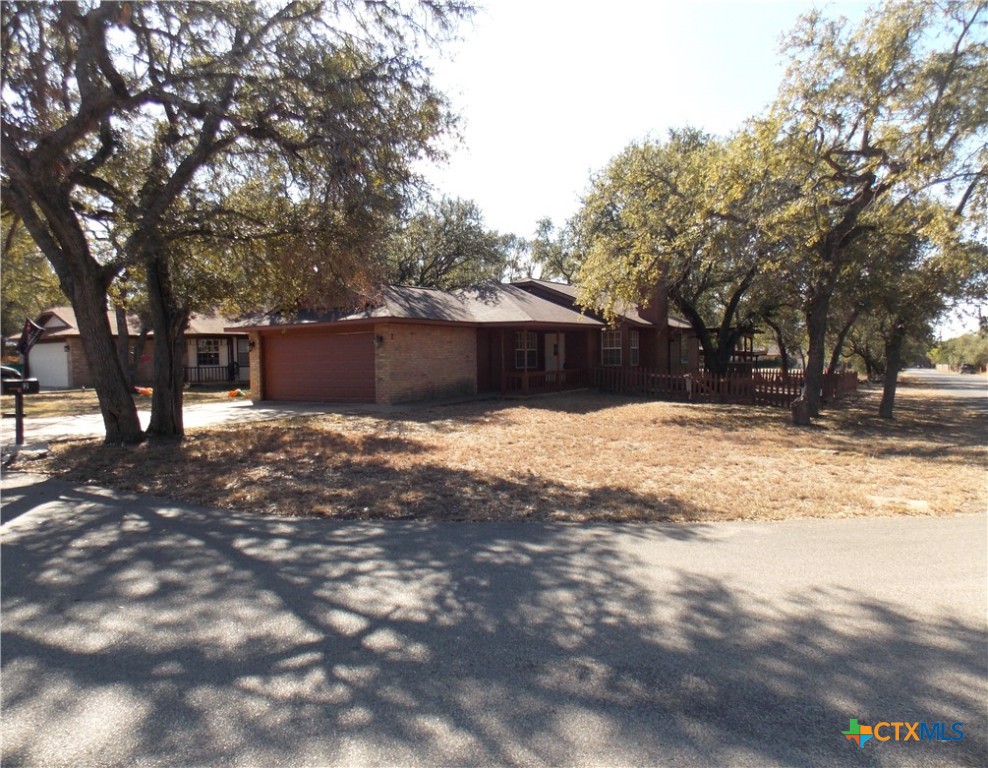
pixel 215 352
pixel 410 344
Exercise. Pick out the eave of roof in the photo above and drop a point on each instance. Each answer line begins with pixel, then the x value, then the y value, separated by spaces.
pixel 569 292
pixel 493 304
pixel 200 324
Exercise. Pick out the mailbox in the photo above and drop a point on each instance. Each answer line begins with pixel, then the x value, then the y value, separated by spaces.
pixel 21 387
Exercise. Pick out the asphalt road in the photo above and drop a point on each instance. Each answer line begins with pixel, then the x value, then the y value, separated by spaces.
pixel 136 633
pixel 972 388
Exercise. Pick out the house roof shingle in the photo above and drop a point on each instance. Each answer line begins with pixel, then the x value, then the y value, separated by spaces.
pixel 61 323
pixel 571 292
pixel 488 304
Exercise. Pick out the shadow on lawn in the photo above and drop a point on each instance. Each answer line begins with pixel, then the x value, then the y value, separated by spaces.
pixel 141 634
pixel 355 477
pixel 482 409
pixel 927 427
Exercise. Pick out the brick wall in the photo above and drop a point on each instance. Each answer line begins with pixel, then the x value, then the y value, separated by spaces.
pixel 256 374
pixel 423 362
pixel 79 375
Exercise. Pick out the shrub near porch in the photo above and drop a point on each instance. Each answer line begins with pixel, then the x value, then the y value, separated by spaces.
pixel 576 457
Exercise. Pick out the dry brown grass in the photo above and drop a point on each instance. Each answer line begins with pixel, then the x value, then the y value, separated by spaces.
pixel 578 457
pixel 77 402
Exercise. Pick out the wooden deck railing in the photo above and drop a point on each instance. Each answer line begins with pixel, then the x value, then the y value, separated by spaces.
pixel 541 382
pixel 758 388
pixel 215 374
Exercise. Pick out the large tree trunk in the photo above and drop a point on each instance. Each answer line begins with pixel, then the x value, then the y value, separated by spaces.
pixel 715 357
pixel 120 419
pixel 61 239
pixel 168 320
pixel 816 327
pixel 893 360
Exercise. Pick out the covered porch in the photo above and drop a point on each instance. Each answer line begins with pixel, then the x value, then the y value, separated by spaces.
pixel 532 359
pixel 217 360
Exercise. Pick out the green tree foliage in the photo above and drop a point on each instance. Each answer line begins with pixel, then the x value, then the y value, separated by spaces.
pixel 556 253
pixel 683 212
pixel 866 348
pixel 447 246
pixel 27 284
pixel 918 263
pixel 969 349
pixel 875 114
pixel 145 120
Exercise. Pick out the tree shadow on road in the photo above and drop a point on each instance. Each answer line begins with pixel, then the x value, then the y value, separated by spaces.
pixel 141 634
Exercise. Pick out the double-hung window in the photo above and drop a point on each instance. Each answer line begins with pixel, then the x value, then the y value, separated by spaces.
pixel 526 350
pixel 610 348
pixel 633 356
pixel 207 352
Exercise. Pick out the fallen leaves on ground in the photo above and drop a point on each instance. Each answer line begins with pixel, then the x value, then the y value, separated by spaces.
pixel 570 458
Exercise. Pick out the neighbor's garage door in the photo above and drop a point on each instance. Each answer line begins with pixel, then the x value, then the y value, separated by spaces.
pixel 319 367
pixel 50 365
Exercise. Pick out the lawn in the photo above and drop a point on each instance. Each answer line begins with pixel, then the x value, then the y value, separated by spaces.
pixel 572 458
pixel 77 402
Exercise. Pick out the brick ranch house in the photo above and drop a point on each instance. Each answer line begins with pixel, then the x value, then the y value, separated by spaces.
pixel 411 344
pixel 211 346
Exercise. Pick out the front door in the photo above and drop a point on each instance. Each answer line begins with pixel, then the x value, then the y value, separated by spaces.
pixel 555 354
pixel 243 358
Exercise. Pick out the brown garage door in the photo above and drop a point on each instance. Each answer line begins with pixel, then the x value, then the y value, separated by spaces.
pixel 319 367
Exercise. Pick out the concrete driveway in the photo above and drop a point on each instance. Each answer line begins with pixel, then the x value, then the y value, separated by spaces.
pixel 42 430
pixel 139 633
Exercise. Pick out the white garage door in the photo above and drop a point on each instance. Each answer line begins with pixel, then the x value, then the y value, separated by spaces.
pixel 50 365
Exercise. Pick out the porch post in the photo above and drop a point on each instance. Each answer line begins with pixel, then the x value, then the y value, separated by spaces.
pixel 560 344
pixel 504 365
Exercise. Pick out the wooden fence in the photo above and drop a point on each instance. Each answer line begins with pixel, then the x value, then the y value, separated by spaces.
pixel 758 388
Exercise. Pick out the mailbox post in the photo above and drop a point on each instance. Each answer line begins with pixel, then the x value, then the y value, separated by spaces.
pixel 18 388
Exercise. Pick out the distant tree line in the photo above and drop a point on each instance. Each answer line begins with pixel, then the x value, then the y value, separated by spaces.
pixel 969 349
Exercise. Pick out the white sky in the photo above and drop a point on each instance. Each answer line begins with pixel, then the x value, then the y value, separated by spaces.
pixel 549 91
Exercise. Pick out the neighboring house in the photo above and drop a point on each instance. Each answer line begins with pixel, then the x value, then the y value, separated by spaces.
pixel 411 344
pixel 215 352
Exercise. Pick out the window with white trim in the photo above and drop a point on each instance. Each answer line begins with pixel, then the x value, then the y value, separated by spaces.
pixel 633 354
pixel 207 352
pixel 526 350
pixel 684 349
pixel 610 348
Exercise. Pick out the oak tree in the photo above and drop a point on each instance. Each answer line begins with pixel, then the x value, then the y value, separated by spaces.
pixel 446 245
pixel 868 118
pixel 682 213
pixel 138 117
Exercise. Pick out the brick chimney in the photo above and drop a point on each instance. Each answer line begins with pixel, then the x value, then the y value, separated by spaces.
pixel 657 311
